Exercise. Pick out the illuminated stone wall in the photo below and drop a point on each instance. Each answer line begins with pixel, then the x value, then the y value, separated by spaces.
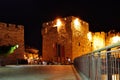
pixel 11 34
pixel 98 40
pixel 112 37
pixel 71 33
pixel 48 40
pixel 72 40
pixel 80 42
pixel 102 39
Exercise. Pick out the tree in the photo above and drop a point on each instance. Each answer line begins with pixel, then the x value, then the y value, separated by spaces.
pixel 6 50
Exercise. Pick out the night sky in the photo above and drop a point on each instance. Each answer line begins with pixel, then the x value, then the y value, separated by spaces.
pixel 101 15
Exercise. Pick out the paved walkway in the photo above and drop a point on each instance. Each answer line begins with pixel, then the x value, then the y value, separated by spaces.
pixel 38 72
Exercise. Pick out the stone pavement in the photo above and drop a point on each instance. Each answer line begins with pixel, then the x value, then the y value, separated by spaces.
pixel 38 72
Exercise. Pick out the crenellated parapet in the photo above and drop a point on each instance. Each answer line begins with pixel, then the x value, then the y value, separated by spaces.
pixel 13 27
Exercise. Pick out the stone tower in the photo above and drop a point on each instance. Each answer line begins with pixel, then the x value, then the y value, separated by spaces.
pixel 64 37
pixel 11 34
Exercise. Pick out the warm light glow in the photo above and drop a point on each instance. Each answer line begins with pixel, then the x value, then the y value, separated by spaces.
pixel 89 35
pixel 115 39
pixel 31 57
pixel 77 24
pixel 58 23
pixel 98 42
pixel 25 57
pixel 17 46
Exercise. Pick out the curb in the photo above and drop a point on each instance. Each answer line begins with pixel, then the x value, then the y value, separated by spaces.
pixel 76 73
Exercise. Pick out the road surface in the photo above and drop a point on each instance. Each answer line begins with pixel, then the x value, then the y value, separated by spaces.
pixel 38 72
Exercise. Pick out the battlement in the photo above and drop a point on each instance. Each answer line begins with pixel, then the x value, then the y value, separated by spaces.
pixel 11 26
pixel 66 24
pixel 65 20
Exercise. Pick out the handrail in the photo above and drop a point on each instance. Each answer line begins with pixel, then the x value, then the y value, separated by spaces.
pixel 102 65
pixel 107 47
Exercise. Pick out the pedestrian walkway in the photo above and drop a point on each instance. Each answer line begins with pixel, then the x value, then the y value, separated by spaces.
pixel 38 72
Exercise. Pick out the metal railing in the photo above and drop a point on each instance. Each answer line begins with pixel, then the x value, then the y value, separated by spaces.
pixel 102 64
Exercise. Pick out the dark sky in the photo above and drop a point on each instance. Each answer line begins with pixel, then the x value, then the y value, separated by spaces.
pixel 101 15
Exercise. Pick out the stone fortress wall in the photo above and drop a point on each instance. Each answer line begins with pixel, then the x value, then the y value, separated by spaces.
pixel 69 41
pixel 11 34
pixel 64 41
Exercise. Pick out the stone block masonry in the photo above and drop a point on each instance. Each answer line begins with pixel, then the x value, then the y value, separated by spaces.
pixel 68 37
pixel 11 34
